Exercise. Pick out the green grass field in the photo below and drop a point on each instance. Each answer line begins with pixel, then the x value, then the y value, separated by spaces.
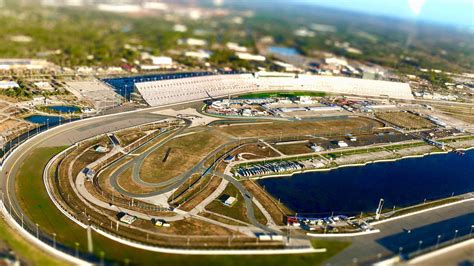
pixel 237 210
pixel 37 205
pixel 24 250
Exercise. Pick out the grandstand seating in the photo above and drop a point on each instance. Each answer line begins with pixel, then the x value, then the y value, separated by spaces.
pixel 163 92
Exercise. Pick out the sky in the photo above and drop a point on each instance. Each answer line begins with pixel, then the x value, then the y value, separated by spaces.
pixel 452 12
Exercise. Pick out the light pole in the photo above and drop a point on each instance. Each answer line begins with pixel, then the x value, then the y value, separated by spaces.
pixel 455 234
pixel 419 245
pixel 37 231
pixel 77 249
pixel 102 254
pixel 54 240
pixel 437 242
pixel 470 232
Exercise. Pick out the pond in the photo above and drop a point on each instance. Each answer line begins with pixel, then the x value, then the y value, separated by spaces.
pixel 352 190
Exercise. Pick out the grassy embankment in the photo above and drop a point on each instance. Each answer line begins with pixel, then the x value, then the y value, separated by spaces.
pixel 37 205
pixel 24 250
pixel 238 210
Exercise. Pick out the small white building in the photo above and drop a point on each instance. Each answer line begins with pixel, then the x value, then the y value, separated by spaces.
pixel 161 223
pixel 128 219
pixel 180 28
pixel 229 201
pixel 236 47
pixel 251 57
pixel 8 85
pixel 43 85
pixel 342 144
pixel 336 61
pixel 317 148
pixel 161 61
pixel 39 100
pixel 192 42
pixel 198 54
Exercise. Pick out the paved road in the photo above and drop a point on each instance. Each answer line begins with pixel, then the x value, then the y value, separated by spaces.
pixel 365 249
pixel 362 248
pixel 460 256
pixel 248 197
pixel 64 136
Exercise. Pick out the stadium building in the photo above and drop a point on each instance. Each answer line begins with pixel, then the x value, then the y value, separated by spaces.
pixel 171 91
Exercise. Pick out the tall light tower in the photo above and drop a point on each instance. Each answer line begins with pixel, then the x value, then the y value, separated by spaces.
pixel 379 210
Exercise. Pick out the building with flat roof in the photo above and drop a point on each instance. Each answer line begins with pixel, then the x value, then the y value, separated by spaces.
pixel 8 85
pixel 23 64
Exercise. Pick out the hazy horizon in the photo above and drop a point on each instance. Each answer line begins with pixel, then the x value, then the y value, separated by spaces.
pixel 455 12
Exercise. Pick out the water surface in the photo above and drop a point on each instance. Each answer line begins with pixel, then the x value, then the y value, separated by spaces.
pixel 64 108
pixel 44 119
pixel 354 189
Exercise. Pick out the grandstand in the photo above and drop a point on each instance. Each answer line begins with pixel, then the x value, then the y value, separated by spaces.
pixel 96 93
pixel 163 92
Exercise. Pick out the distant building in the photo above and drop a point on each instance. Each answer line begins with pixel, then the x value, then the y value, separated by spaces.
pixel 336 61
pixel 44 86
pixel 180 28
pixel 23 64
pixel 161 60
pixel 198 54
pixel 8 85
pixel 250 57
pixel 192 42
pixel 236 47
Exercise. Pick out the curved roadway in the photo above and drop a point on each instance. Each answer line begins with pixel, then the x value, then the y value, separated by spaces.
pixel 69 134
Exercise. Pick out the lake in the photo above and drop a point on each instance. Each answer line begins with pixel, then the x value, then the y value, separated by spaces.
pixel 284 51
pixel 43 119
pixel 352 190
pixel 64 108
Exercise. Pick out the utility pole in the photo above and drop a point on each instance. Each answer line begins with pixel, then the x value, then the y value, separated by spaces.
pixel 90 245
pixel 379 209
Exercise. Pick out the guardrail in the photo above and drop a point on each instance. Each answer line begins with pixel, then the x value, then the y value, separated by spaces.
pixel 205 241
pixel 14 143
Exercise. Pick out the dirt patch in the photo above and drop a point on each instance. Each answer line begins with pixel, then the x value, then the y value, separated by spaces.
pixel 202 195
pixel 255 151
pixel 188 226
pixel 185 152
pixel 125 181
pixel 463 113
pixel 406 120
pixel 298 148
pixel 220 218
pixel 298 128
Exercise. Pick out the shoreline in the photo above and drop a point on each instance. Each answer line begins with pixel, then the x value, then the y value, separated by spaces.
pixel 357 164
